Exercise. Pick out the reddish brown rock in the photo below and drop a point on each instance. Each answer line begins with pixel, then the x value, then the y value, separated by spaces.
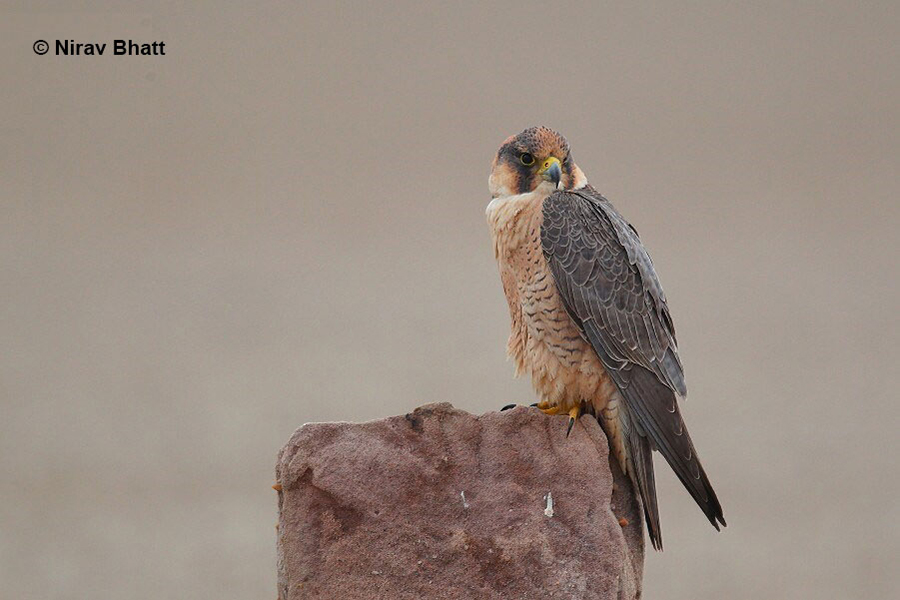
pixel 441 504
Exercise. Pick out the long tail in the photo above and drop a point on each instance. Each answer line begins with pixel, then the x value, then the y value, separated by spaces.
pixel 640 463
pixel 656 418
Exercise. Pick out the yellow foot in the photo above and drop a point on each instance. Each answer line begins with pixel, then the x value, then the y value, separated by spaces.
pixel 548 409
pixel 573 416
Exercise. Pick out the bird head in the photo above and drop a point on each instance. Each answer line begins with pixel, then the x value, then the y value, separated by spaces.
pixel 536 157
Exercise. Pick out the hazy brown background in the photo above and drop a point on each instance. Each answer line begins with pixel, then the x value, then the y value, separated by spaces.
pixel 282 221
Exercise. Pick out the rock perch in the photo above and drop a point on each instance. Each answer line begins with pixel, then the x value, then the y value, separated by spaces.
pixel 442 504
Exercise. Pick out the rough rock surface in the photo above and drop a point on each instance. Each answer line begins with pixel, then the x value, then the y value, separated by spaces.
pixel 443 504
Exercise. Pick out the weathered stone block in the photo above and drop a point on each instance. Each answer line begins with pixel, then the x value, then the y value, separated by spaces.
pixel 442 504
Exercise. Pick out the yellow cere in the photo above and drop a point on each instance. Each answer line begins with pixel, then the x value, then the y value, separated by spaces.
pixel 549 163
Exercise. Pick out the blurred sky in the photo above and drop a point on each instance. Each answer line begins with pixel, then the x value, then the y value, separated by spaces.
pixel 282 221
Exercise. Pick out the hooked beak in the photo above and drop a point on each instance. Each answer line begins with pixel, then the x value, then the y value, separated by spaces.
pixel 551 171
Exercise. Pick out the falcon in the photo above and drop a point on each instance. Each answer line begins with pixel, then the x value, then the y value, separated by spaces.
pixel 590 323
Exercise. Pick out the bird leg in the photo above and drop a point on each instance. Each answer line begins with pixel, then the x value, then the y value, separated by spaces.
pixel 555 409
pixel 548 409
pixel 574 413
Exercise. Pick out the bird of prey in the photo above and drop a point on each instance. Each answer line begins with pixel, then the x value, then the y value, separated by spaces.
pixel 590 322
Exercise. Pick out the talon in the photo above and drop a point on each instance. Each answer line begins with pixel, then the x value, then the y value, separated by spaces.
pixel 508 406
pixel 574 413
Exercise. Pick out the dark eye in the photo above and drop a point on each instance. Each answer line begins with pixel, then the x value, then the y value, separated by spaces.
pixel 526 159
